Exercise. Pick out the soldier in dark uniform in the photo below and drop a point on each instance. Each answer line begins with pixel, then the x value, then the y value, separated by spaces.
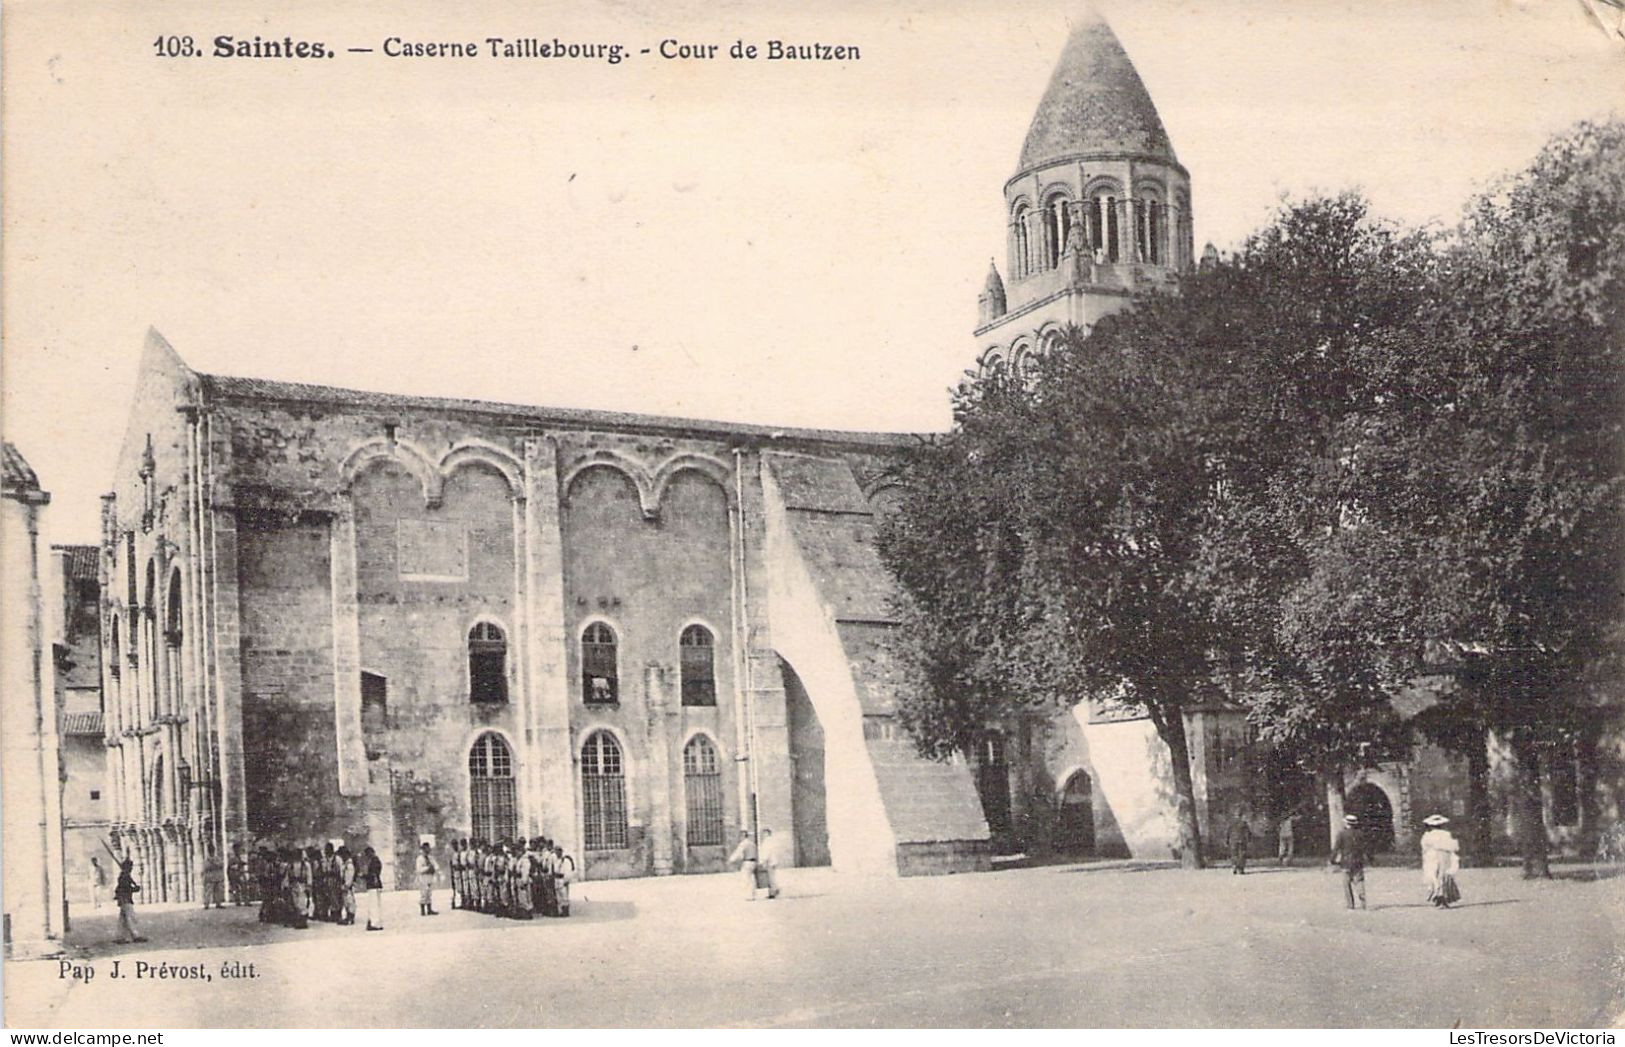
pixel 1351 852
pixel 1241 834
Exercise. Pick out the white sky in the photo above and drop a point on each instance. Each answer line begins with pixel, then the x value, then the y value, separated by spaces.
pixel 797 245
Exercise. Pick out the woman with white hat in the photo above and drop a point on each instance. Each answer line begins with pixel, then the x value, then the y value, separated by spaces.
pixel 1440 862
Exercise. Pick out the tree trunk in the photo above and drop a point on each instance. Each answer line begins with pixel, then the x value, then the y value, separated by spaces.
pixel 1477 837
pixel 1170 726
pixel 1336 806
pixel 1531 813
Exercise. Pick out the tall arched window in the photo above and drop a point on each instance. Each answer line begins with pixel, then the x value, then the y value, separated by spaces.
pixel 487 664
pixel 603 793
pixel 1053 233
pixel 1020 256
pixel 1103 228
pixel 493 813
pixel 699 666
pixel 702 784
pixel 600 672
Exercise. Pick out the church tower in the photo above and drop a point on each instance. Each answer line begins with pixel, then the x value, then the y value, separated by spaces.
pixel 1099 207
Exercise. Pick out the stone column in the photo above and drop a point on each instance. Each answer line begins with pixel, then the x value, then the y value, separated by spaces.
pixel 547 736
pixel 771 770
pixel 352 750
pixel 662 722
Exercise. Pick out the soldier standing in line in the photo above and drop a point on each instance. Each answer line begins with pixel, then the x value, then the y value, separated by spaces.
pixel 522 908
pixel 564 868
pixel 455 862
pixel 346 883
pixel 372 881
pixel 427 869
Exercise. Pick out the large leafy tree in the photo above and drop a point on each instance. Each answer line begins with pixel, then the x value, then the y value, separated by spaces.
pixel 1142 513
pixel 1502 454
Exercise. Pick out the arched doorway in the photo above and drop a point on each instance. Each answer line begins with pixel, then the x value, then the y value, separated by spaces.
pixel 1369 803
pixel 808 801
pixel 993 785
pixel 493 813
pixel 1075 826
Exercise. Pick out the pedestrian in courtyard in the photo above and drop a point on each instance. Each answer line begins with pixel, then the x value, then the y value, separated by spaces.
pixel 372 881
pixel 214 880
pixel 98 882
pixel 745 855
pixel 124 893
pixel 1240 835
pixel 769 864
pixel 237 875
pixel 1349 852
pixel 427 870
pixel 1286 843
pixel 1440 862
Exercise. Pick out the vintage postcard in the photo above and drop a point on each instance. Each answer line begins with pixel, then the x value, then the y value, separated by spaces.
pixel 478 551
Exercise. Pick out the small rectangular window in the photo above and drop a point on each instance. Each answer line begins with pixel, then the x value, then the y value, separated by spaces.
pixel 488 680
pixel 95 794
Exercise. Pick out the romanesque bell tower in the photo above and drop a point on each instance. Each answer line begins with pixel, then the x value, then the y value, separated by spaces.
pixel 1098 210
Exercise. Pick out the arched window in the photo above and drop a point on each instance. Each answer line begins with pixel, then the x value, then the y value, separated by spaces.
pixel 492 811
pixel 1103 225
pixel 1053 234
pixel 114 655
pixel 1020 257
pixel 603 793
pixel 600 675
pixel 1149 227
pixel 702 784
pixel 487 664
pixel 699 672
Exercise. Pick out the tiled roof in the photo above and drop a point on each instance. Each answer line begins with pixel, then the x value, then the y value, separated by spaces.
pixel 82 724
pixel 1095 103
pixel 82 561
pixel 18 475
pixel 563 417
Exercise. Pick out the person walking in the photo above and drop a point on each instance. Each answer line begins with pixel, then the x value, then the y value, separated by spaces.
pixel 214 880
pixel 769 864
pixel 1440 862
pixel 1349 852
pixel 372 881
pixel 745 855
pixel 1286 843
pixel 1239 836
pixel 124 893
pixel 427 869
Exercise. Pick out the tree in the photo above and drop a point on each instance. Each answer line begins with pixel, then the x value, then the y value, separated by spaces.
pixel 1504 455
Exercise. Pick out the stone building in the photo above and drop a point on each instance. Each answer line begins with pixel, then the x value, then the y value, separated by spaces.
pixel 35 909
pixel 85 803
pixel 336 614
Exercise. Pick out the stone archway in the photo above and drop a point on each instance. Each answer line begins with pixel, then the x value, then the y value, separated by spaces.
pixel 1075 817
pixel 1371 805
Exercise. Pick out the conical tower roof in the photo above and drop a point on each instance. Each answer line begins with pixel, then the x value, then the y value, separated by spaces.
pixel 1095 103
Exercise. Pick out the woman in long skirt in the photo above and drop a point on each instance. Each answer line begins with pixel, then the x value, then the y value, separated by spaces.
pixel 1440 862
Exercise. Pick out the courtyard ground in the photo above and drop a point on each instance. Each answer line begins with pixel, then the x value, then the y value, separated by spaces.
pixel 1111 944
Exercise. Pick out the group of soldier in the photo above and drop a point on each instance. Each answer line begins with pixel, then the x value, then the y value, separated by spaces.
pixel 519 879
pixel 295 886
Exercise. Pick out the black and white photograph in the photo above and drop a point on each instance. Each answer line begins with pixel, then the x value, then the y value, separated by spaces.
pixel 1061 514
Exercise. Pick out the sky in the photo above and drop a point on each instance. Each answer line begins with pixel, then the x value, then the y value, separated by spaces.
pixel 784 243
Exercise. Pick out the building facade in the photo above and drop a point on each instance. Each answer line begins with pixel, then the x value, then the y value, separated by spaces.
pixel 341 615
pixel 89 872
pixel 35 909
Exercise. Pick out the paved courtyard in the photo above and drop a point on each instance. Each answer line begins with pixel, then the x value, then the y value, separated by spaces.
pixel 1114 944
